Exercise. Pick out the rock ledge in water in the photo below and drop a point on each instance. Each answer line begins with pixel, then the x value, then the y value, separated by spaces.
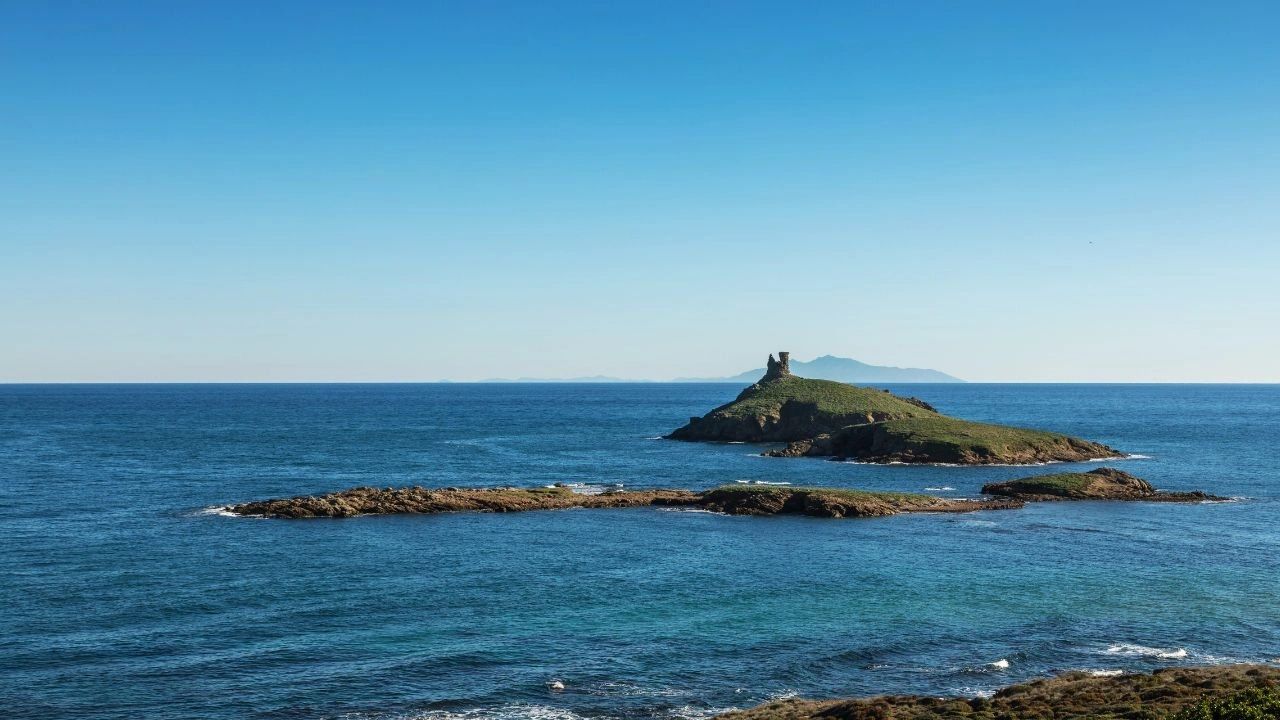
pixel 1100 484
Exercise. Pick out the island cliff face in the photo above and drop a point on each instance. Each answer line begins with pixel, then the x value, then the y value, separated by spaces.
pixel 826 418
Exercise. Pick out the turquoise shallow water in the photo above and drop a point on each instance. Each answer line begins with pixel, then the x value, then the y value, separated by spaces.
pixel 125 596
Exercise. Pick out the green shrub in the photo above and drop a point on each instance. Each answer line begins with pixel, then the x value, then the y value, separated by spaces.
pixel 1251 704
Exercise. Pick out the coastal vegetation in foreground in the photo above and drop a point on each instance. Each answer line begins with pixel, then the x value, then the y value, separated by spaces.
pixel 1223 692
pixel 1101 484
pixel 832 419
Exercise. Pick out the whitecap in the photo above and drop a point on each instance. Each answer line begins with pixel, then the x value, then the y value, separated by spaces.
pixel 1105 673
pixel 219 510
pixel 1131 650
pixel 1001 664
pixel 944 488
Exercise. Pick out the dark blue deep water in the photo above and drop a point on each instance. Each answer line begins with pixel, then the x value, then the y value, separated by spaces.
pixel 122 595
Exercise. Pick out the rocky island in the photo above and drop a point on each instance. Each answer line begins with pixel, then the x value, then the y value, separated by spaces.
pixel 832 419
pixel 1100 484
pixel 1222 692
pixel 732 500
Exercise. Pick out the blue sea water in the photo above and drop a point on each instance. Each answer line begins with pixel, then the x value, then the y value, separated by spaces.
pixel 124 594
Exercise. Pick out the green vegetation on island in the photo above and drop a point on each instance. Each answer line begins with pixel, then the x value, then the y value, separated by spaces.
pixel 826 418
pixel 783 407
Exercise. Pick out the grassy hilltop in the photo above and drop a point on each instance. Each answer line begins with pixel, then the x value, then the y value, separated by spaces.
pixel 793 408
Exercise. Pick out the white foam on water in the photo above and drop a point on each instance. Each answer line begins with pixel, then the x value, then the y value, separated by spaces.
pixel 944 488
pixel 695 510
pixel 586 488
pixel 969 691
pixel 1105 673
pixel 760 482
pixel 1130 650
pixel 221 511
pixel 736 442
pixel 1000 664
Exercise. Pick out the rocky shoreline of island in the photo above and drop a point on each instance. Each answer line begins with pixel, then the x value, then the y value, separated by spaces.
pixel 1221 692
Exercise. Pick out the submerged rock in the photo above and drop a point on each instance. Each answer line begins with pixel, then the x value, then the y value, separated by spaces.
pixel 1100 484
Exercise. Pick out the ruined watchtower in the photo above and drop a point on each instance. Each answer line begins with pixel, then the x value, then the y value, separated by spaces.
pixel 778 369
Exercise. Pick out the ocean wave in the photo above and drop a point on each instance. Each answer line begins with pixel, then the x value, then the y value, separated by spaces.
pixel 1130 650
pixel 698 510
pixel 220 511
pixel 587 488
pixel 517 711
pixel 944 488
pixel 760 482
pixel 970 691
pixel 1105 673
pixel 1001 664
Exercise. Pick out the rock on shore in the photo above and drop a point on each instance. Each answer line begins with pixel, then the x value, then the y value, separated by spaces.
pixel 1100 484
pixel 1071 695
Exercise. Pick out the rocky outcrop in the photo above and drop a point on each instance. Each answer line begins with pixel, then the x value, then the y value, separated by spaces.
pixel 836 503
pixel 1100 484
pixel 1136 696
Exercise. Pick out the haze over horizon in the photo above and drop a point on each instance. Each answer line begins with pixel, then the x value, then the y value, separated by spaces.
pixel 318 191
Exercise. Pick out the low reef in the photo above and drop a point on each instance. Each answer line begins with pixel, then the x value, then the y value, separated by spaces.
pixel 1100 484
pixel 732 500
pixel 425 501
pixel 738 499
pixel 1221 692
pixel 822 418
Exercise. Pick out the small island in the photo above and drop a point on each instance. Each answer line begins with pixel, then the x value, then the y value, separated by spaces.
pixel 822 418
pixel 1100 484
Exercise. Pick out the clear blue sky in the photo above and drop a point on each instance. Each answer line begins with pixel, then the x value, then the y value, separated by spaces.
pixel 412 191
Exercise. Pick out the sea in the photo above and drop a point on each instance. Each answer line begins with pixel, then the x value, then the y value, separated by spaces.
pixel 126 591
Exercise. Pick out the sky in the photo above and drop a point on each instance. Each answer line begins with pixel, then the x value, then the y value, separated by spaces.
pixel 1070 191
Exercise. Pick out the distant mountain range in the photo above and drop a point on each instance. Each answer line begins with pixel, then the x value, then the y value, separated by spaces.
pixel 827 367
pixel 830 367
